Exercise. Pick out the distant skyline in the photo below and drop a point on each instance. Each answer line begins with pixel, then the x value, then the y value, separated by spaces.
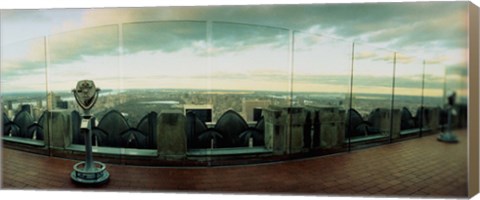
pixel 187 54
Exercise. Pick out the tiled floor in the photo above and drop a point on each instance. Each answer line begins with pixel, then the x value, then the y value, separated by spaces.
pixel 417 167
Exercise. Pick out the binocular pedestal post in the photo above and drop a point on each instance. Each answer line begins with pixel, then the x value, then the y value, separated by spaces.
pixel 89 171
pixel 448 135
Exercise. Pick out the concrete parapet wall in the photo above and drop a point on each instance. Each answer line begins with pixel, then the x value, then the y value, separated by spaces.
pixel 285 132
pixel 274 130
pixel 331 121
pixel 432 117
pixel 284 129
pixel 296 116
pixel 171 135
pixel 59 132
pixel 385 122
pixel 396 122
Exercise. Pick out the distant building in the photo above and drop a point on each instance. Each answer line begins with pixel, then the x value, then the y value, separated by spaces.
pixel 62 104
pixel 37 112
pixel 257 113
pixel 39 103
pixel 10 114
pixel 252 109
pixel 51 101
pixel 203 112
pixel 55 102
pixel 9 105
pixel 28 108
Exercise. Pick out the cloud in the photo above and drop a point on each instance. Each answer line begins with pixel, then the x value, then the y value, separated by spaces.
pixel 76 45
pixel 437 60
pixel 228 37
pixel 429 26
pixel 171 36
pixel 446 29
pixel 23 58
pixel 19 25
pixel 19 68
pixel 404 59
pixel 458 69
pixel 369 81
pixel 409 24
pixel 164 36
pixel 16 16
pixel 365 55
pixel 401 24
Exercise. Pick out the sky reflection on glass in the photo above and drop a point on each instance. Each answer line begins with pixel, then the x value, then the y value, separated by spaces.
pixel 188 47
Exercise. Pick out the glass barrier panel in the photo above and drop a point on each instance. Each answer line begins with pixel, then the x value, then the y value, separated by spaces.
pixel 321 84
pixel 433 89
pixel 86 54
pixel 321 71
pixel 408 94
pixel 457 82
pixel 250 71
pixel 249 68
pixel 90 53
pixel 165 65
pixel 434 96
pixel 23 93
pixel 369 117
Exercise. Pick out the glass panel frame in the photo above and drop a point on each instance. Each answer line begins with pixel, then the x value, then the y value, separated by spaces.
pixel 321 83
pixel 23 85
pixel 252 60
pixel 84 54
pixel 370 116
pixel 166 67
pixel 408 99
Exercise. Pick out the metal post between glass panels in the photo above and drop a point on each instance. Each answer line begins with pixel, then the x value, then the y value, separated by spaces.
pixel 392 103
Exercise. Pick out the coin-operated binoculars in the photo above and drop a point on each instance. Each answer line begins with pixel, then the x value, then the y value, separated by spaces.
pixel 88 171
pixel 448 135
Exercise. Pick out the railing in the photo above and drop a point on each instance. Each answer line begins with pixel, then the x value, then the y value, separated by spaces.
pixel 228 66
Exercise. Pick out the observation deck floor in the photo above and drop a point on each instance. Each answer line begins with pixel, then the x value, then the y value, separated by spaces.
pixel 419 167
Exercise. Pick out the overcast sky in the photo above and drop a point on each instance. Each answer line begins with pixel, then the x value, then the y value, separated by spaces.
pixel 213 55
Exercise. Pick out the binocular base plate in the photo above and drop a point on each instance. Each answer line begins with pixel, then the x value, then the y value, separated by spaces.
pixel 447 137
pixel 93 176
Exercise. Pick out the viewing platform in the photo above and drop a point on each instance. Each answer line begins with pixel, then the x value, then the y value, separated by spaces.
pixel 421 167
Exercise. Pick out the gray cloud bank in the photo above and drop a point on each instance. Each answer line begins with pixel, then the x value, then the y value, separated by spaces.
pixel 429 25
